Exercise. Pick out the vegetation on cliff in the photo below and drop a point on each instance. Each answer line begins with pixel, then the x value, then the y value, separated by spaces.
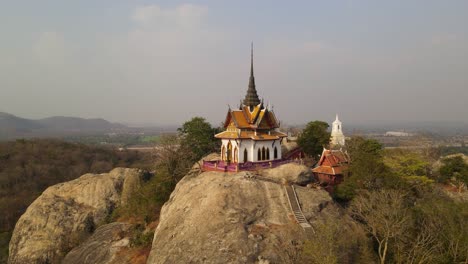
pixel 314 138
pixel 197 138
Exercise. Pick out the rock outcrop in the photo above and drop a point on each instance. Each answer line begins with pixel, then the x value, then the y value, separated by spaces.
pixel 102 247
pixel 233 218
pixel 291 172
pixel 67 213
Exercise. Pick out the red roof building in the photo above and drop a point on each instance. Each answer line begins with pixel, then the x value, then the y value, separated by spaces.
pixel 331 167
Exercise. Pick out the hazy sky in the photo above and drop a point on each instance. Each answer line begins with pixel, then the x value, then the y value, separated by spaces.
pixel 163 62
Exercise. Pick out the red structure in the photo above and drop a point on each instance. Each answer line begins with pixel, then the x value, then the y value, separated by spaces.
pixel 331 167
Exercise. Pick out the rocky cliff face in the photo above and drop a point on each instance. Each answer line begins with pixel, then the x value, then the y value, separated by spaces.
pixel 210 218
pixel 67 213
pixel 234 218
pixel 103 246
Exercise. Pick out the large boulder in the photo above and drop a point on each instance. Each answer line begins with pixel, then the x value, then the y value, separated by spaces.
pixel 232 218
pixel 291 172
pixel 67 213
pixel 102 247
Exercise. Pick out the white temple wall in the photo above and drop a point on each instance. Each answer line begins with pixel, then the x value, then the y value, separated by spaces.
pixel 252 149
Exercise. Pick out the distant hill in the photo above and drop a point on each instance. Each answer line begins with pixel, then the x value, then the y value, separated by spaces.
pixel 11 122
pixel 76 123
pixel 12 127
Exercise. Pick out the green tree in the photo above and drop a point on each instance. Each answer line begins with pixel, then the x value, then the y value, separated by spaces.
pixel 314 138
pixel 411 166
pixel 197 136
pixel 455 169
pixel 406 163
pixel 367 170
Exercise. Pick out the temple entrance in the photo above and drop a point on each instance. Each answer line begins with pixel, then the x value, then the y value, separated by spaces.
pixel 229 153
pixel 245 155
pixel 223 153
pixel 236 155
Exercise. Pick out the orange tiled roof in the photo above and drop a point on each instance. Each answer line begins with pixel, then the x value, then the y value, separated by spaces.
pixel 335 170
pixel 324 170
pixel 251 135
pixel 332 162
pixel 243 118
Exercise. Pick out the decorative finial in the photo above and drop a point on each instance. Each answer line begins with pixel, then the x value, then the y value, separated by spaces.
pixel 251 98
pixel 251 59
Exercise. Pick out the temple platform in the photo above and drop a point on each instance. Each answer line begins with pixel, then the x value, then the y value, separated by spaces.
pixel 221 166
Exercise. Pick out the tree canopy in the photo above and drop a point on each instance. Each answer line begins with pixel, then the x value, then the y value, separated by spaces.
pixel 197 137
pixel 367 169
pixel 314 138
pixel 455 169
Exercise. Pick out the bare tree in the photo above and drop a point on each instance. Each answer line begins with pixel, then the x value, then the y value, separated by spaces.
pixel 383 214
pixel 172 158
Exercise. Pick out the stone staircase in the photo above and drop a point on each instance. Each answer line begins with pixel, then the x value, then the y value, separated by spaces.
pixel 293 203
pixel 296 209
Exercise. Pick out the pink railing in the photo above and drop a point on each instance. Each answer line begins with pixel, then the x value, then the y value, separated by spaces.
pixel 218 165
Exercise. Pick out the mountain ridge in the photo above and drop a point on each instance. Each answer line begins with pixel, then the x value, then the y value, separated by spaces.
pixel 13 127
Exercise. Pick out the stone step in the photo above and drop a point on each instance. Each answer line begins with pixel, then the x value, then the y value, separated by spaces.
pixel 296 209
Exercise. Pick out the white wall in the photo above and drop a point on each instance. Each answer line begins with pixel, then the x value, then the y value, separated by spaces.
pixel 252 148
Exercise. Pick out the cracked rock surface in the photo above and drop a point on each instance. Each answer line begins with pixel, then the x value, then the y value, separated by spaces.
pixel 218 217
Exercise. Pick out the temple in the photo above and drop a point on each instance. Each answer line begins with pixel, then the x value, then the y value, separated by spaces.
pixel 251 131
pixel 337 139
pixel 331 167
pixel 334 162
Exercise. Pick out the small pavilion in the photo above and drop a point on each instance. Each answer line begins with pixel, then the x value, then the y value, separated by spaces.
pixel 334 162
pixel 331 167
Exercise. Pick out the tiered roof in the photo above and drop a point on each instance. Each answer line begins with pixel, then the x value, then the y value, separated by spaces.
pixel 332 162
pixel 252 120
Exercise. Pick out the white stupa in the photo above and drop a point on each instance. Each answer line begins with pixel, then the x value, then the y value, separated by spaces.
pixel 337 137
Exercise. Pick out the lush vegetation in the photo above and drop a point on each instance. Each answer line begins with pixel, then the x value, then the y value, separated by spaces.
pixel 28 167
pixel 314 138
pixel 393 196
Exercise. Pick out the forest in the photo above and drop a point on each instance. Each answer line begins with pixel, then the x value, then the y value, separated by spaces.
pixel 28 167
